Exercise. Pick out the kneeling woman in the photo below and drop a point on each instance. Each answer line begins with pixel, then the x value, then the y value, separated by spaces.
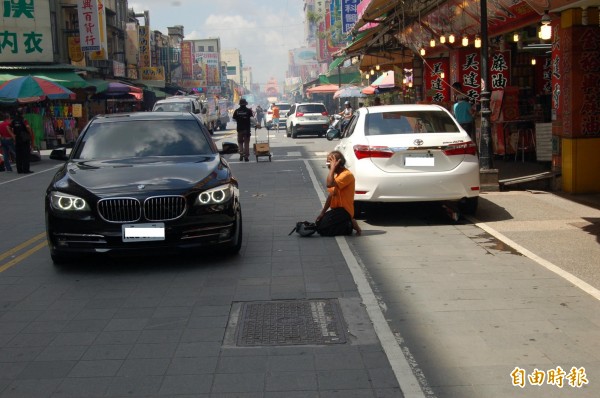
pixel 337 216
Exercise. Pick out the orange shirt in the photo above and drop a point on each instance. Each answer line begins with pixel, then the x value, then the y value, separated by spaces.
pixel 275 112
pixel 343 194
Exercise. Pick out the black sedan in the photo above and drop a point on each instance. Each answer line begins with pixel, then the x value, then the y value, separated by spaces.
pixel 142 182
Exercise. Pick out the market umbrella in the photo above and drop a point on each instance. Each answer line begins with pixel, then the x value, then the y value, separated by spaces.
pixel 369 90
pixel 386 80
pixel 27 89
pixel 324 89
pixel 349 92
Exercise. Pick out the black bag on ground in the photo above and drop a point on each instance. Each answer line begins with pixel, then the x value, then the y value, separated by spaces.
pixel 335 222
pixel 304 228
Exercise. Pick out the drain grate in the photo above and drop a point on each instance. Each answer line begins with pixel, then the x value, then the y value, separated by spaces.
pixel 287 322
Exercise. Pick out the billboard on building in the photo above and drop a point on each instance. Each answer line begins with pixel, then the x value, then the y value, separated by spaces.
pixel 187 64
pixel 206 68
pixel 304 56
pixel 132 43
pixel 144 43
pixel 101 54
pixel 26 34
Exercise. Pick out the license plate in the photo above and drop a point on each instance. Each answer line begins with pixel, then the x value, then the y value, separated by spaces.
pixel 143 232
pixel 419 161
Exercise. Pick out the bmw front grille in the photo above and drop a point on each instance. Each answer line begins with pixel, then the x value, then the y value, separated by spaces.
pixel 156 208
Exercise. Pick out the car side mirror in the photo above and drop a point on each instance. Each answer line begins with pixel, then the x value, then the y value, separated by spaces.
pixel 229 147
pixel 59 154
pixel 332 134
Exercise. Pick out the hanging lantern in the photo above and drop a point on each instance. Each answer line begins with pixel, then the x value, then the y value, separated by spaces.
pixel 533 61
pixel 516 37
pixel 443 39
pixel 465 40
pixel 432 42
pixel 372 72
pixel 367 75
pixel 546 29
pixel 422 51
pixel 477 41
pixel 451 38
pixel 377 67
pixel 442 75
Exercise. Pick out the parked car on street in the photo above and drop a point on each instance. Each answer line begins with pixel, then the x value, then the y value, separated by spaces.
pixel 307 118
pixel 284 107
pixel 410 153
pixel 142 182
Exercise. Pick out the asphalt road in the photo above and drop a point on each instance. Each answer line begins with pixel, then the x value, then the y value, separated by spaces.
pixel 454 306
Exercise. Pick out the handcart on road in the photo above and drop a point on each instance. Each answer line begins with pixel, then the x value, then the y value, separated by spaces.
pixel 262 148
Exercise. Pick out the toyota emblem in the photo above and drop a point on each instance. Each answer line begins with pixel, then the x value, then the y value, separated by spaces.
pixel 418 142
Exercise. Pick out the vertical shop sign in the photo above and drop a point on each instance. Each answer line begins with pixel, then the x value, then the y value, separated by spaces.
pixel 132 43
pixel 89 25
pixel 144 37
pixel 499 70
pixel 470 73
pixel 186 59
pixel 437 90
pixel 349 14
pixel 101 54
pixel 75 53
pixel 555 70
pixel 589 64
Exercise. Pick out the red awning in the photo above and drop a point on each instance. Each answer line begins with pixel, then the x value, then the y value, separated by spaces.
pixel 324 89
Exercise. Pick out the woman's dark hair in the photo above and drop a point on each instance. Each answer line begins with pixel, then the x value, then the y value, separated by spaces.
pixel 340 157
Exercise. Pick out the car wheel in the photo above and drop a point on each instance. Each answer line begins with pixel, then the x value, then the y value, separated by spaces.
pixel 294 132
pixel 468 205
pixel 236 243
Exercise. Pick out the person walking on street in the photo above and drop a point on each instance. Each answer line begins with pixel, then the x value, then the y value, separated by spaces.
pixel 275 110
pixel 23 141
pixel 337 216
pixel 7 139
pixel 260 115
pixel 347 114
pixel 463 111
pixel 242 116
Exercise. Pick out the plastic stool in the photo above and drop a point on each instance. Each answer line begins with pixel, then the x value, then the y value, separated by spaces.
pixel 525 139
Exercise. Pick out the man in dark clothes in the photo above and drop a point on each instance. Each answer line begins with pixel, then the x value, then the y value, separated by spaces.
pixel 242 116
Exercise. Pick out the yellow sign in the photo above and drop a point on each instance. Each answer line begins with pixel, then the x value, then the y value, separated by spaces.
pixel 75 52
pixel 153 73
pixel 77 110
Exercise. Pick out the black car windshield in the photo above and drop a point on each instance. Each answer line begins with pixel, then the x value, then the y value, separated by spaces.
pixel 142 138
pixel 409 122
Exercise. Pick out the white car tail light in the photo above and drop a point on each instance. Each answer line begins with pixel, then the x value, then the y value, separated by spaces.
pixel 325 113
pixel 367 151
pixel 463 148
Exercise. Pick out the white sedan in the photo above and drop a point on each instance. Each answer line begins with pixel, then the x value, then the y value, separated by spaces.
pixel 410 153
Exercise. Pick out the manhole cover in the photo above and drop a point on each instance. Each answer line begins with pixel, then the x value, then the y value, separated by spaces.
pixel 264 323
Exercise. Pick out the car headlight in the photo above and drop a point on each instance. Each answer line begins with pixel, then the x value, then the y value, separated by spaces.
pixel 64 202
pixel 216 196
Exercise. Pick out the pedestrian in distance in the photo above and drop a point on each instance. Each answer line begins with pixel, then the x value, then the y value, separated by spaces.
pixel 7 139
pixel 463 111
pixel 275 110
pixel 23 141
pixel 260 115
pixel 242 116
pixel 346 114
pixel 337 216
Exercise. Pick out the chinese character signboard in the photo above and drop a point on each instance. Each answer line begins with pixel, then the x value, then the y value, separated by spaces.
pixel 153 73
pixel 466 68
pixel 89 25
pixel 75 53
pixel 186 59
pixel 25 33
pixel 349 14
pixel 144 43
pixel 206 68
pixel 436 87
pixel 101 54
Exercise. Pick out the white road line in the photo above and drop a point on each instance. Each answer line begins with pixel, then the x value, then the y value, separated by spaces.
pixel 586 287
pixel 29 175
pixel 400 364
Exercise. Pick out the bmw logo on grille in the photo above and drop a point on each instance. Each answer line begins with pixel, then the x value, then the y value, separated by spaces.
pixel 418 142
pixel 141 186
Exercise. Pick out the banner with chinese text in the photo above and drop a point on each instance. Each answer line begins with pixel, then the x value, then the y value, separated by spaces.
pixel 25 34
pixel 89 25
pixel 186 59
pixel 101 54
pixel 437 88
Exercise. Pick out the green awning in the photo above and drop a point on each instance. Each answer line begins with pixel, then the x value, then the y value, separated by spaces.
pixel 66 79
pixel 336 62
pixel 157 91
pixel 344 78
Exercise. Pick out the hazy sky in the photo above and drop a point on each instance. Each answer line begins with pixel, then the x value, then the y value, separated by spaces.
pixel 263 30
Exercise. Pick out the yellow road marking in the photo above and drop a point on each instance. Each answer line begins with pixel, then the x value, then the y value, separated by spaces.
pixel 21 246
pixel 24 255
